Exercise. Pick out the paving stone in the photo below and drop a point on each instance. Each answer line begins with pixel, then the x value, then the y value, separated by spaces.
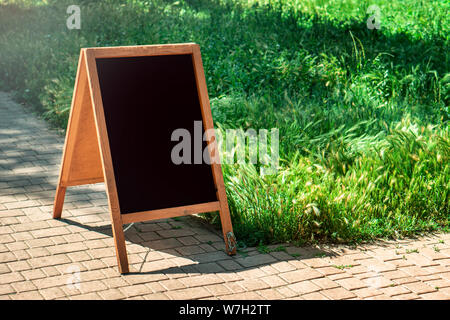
pixel 366 292
pixel 156 296
pixel 380 297
pixel 298 264
pixel 328 271
pixel 135 290
pixel 87 296
pixel 189 293
pixel 218 289
pixel 273 281
pixel 408 296
pixel 325 283
pixel 395 290
pixel 242 296
pixel 405 280
pixel 49 232
pixel 229 276
pixel 304 287
pixel 434 296
pixel 269 270
pixel 23 286
pixel 433 254
pixel 357 270
pixel 300 275
pixel 376 266
pixel 235 287
pixel 10 277
pixel 440 283
pixel 67 248
pixel 428 278
pixel 281 255
pixel 29 295
pixel 38 252
pixel 255 260
pixel 6 289
pixel 49 261
pixel 421 260
pixel 441 269
pixel 253 284
pixel 378 282
pixel 445 290
pixel 190 250
pixel 7 257
pixel 210 267
pixel 419 287
pixel 201 280
pixel 270 294
pixel 252 273
pixel 172 284
pixel 351 283
pixel 384 254
pixel 339 276
pixel 286 292
pixel 175 233
pixel 52 293
pixel 111 294
pixel 338 293
pixel 229 265
pixel 415 271
pixel 210 257
pixel 116 282
pixel 155 287
pixel 396 274
pixel 283 266
pixel 92 286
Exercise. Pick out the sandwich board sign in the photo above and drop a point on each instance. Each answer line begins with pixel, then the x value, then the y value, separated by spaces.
pixel 127 102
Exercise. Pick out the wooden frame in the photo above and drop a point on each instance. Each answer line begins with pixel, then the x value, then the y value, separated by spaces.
pixel 87 156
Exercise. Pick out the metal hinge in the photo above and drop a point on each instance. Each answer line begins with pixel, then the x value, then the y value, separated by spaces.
pixel 231 242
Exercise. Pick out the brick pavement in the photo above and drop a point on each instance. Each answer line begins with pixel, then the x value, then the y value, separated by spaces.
pixel 74 258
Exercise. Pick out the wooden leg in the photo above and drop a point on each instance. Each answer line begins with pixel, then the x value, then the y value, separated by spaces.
pixel 227 229
pixel 121 250
pixel 59 202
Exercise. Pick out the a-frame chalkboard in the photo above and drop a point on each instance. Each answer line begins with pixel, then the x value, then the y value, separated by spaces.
pixel 127 102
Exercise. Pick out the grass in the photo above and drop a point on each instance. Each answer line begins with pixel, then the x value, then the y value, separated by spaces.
pixel 342 267
pixel 262 248
pixel 363 114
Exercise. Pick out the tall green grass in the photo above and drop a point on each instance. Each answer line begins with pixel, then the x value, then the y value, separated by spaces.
pixel 363 114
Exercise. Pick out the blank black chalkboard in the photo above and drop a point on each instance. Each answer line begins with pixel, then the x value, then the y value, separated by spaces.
pixel 126 104
pixel 144 100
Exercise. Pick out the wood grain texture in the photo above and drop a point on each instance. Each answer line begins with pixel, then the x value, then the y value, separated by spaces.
pixel 72 128
pixel 85 162
pixel 80 182
pixel 108 171
pixel 225 218
pixel 146 50
pixel 171 212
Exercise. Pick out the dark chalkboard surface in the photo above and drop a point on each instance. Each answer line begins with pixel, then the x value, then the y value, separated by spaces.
pixel 144 100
